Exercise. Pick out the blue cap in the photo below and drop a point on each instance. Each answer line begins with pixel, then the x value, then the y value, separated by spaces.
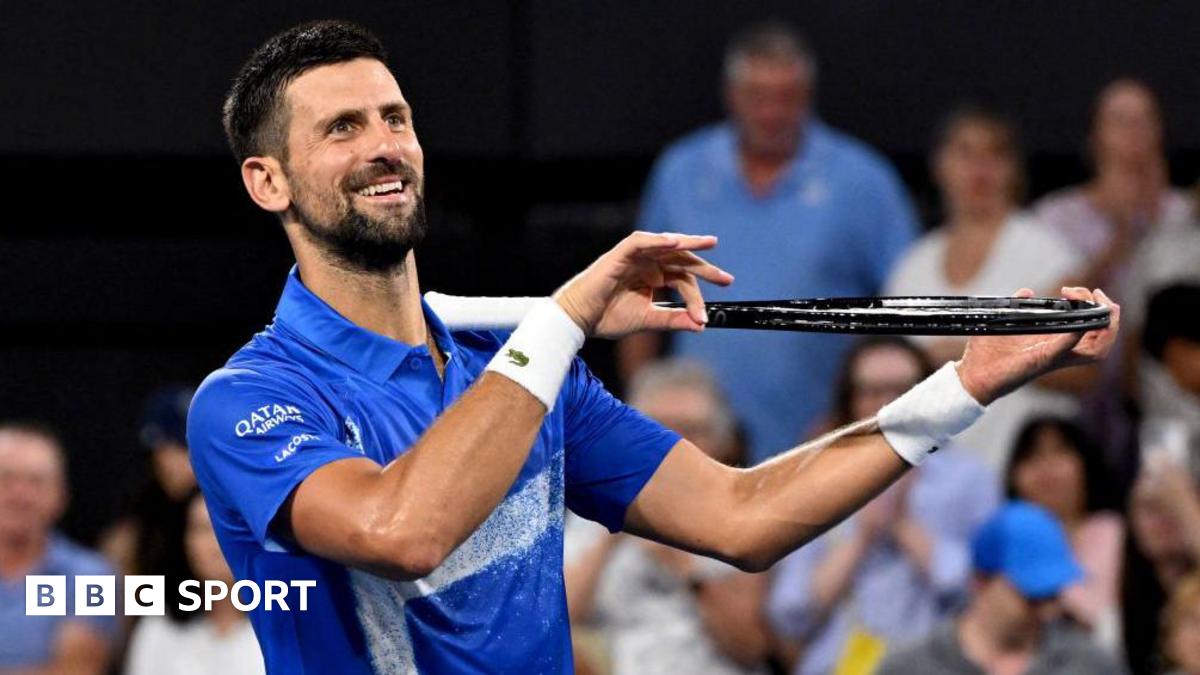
pixel 1027 545
pixel 164 417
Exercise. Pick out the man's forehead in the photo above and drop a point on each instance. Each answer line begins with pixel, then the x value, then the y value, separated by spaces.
pixel 361 83
pixel 27 451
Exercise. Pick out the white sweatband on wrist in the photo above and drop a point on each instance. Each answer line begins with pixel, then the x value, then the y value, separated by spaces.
pixel 463 313
pixel 539 352
pixel 928 415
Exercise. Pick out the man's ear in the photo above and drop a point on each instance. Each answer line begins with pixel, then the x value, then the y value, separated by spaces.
pixel 266 183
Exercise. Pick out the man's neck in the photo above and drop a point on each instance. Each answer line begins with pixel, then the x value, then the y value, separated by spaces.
pixel 988 645
pixel 388 304
pixel 19 553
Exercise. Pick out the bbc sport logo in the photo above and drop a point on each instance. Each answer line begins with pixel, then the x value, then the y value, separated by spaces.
pixel 145 595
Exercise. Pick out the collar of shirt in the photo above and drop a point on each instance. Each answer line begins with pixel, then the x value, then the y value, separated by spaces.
pixel 373 355
pixel 813 142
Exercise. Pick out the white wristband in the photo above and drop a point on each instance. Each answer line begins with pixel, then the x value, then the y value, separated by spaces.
pixel 539 352
pixel 928 415
pixel 462 313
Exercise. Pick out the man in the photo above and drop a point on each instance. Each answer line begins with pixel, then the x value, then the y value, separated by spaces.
pixel 801 210
pixel 1022 562
pixel 33 496
pixel 419 475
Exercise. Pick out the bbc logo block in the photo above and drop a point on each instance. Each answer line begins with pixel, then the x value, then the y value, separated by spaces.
pixel 146 595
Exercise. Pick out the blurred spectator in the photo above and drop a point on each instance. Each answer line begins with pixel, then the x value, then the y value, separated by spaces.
pixel 662 610
pixel 144 541
pixel 1169 373
pixel 1164 521
pixel 33 495
pixel 1181 628
pixel 801 210
pixel 1170 255
pixel 986 247
pixel 1128 203
pixel 218 642
pixel 1022 564
pixel 1056 467
pixel 1130 193
pixel 902 564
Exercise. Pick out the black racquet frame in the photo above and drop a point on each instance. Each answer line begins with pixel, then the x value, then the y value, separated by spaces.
pixel 910 315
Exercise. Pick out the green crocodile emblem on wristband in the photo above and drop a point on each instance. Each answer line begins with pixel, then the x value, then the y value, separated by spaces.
pixel 517 358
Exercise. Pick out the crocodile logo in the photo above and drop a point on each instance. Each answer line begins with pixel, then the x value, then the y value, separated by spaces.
pixel 517 358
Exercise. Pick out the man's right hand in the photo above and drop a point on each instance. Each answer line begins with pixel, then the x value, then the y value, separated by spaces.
pixel 614 296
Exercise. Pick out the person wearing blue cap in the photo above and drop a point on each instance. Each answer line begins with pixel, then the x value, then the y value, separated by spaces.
pixel 1022 562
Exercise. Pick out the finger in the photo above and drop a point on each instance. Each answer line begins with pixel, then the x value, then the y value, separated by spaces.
pixel 693 242
pixel 1076 293
pixel 674 318
pixel 646 241
pixel 1024 293
pixel 686 261
pixel 685 284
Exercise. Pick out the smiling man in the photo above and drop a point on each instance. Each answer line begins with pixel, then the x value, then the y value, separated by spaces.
pixel 420 474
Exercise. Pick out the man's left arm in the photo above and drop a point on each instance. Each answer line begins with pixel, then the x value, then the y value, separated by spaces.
pixel 753 517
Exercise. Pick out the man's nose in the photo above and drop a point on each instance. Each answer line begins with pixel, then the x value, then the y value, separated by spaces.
pixel 386 144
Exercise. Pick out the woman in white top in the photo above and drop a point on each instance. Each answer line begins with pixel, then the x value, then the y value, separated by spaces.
pixel 218 642
pixel 986 247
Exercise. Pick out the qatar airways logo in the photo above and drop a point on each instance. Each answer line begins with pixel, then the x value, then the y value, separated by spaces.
pixel 261 420
pixel 145 595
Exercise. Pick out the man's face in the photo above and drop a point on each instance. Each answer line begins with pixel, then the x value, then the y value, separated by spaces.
pixel 1010 611
pixel 690 413
pixel 975 169
pixel 32 485
pixel 769 101
pixel 354 168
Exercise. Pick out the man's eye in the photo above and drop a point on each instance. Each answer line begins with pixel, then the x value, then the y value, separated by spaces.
pixel 339 127
pixel 396 120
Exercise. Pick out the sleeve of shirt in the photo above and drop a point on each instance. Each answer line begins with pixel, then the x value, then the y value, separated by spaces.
pixel 612 450
pixel 885 222
pixel 254 436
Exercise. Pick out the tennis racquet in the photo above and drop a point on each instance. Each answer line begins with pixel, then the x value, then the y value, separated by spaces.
pixel 910 315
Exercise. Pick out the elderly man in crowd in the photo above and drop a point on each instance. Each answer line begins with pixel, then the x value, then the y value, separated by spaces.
pixel 33 495
pixel 801 210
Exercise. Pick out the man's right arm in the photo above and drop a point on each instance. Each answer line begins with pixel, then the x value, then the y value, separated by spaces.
pixel 402 520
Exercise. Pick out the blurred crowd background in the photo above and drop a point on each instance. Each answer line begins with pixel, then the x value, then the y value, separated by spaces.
pixel 879 148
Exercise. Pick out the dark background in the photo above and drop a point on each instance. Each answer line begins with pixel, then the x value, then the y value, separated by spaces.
pixel 129 256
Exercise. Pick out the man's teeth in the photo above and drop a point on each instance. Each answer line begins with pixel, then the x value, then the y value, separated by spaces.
pixel 382 188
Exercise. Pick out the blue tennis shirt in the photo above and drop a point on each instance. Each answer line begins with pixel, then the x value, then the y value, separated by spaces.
pixel 314 388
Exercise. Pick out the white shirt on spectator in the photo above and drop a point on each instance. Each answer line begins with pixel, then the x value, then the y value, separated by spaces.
pixel 160 646
pixel 1024 254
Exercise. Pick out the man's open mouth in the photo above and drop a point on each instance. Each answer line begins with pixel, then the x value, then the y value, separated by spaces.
pixel 395 187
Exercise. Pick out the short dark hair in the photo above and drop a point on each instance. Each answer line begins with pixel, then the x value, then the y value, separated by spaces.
pixel 1099 491
pixel 843 393
pixel 987 115
pixel 1171 314
pixel 253 114
pixel 771 39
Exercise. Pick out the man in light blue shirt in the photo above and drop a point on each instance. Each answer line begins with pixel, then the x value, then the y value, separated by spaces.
pixel 33 495
pixel 801 210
